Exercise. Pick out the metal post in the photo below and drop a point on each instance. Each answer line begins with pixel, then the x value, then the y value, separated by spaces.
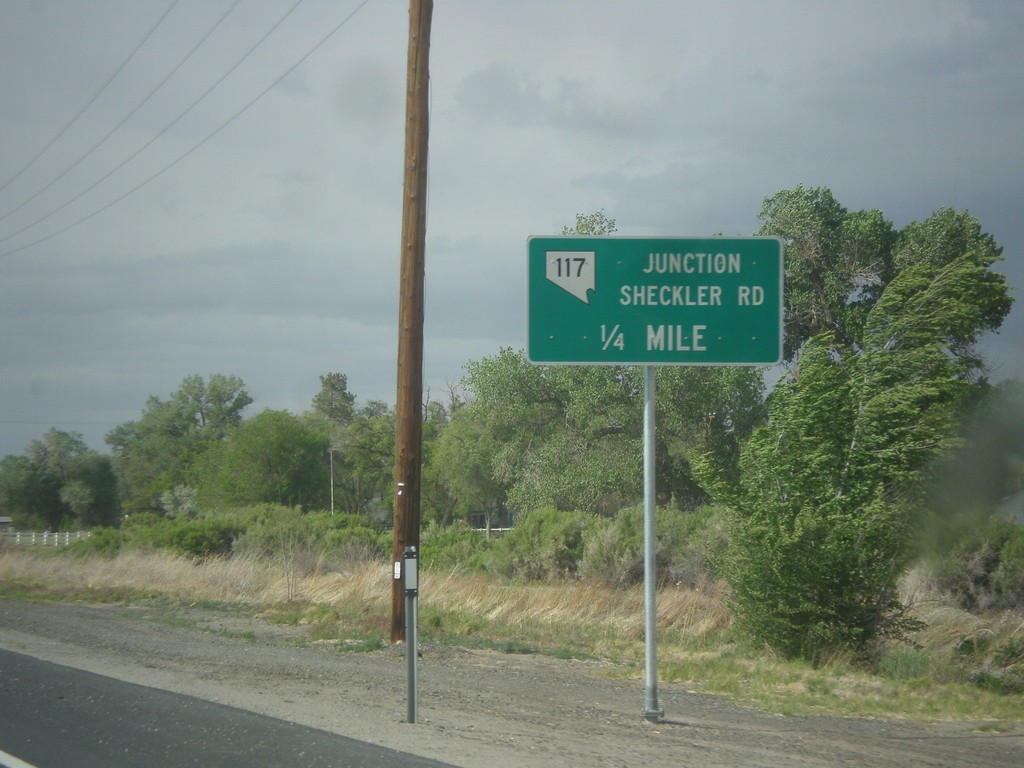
pixel 651 710
pixel 331 452
pixel 411 579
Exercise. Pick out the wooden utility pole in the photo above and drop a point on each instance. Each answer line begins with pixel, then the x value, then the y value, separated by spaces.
pixel 409 401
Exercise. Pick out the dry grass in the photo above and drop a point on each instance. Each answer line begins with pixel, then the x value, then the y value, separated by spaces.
pixel 591 612
pixel 588 607
pixel 250 580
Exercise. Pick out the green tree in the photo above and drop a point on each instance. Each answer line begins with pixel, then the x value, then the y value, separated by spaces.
pixel 365 458
pixel 832 485
pixel 274 457
pixel 596 223
pixel 837 263
pixel 213 406
pixel 570 437
pixel 334 402
pixel 707 411
pixel 565 436
pixel 334 406
pixel 91 492
pixel 157 452
pixel 462 460
pixel 438 504
pixel 59 483
pixel 955 241
pixel 29 494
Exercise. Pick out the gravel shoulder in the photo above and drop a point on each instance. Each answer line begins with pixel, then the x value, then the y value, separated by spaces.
pixel 476 708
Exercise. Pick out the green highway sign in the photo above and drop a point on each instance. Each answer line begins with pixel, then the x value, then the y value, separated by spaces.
pixel 655 300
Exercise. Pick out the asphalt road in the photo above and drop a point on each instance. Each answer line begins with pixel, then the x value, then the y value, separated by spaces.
pixel 53 716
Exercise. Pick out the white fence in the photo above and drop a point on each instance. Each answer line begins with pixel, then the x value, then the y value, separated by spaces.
pixel 44 538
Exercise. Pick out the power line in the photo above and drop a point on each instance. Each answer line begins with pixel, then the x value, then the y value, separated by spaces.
pixel 110 133
pixel 156 137
pixel 199 144
pixel 91 101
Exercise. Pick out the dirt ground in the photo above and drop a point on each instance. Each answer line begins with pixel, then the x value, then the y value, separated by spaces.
pixel 475 708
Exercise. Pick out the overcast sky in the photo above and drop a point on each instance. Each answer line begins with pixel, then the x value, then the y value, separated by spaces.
pixel 271 250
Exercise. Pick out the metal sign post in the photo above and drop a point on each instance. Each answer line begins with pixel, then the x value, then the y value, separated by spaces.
pixel 410 573
pixel 652 711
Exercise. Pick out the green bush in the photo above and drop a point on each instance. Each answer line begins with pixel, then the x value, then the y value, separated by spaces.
pixel 998 680
pixel 992 664
pixel 359 542
pixel 982 562
pixel 138 520
pixel 545 543
pixel 905 662
pixel 810 583
pixel 1008 578
pixel 313 538
pixel 202 537
pixel 614 549
pixel 195 538
pixel 455 547
pixel 274 530
pixel 101 541
pixel 697 540
pixel 688 544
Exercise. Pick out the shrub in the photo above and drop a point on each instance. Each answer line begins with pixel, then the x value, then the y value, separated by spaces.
pixel 698 541
pixel 814 582
pixel 203 537
pixel 311 539
pixel 614 551
pixel 688 543
pixel 982 567
pixel 101 541
pixel 275 530
pixel 359 543
pixel 991 662
pixel 454 547
pixel 1008 578
pixel 138 520
pixel 196 538
pixel 544 543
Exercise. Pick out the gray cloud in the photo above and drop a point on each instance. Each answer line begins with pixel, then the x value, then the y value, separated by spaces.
pixel 272 251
